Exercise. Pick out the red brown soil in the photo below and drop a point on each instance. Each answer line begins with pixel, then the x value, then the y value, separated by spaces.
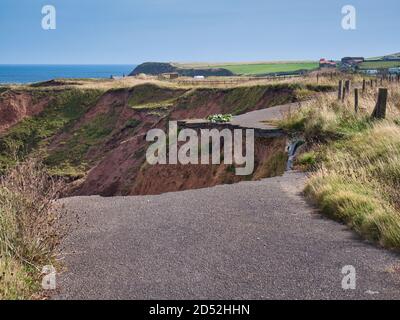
pixel 16 106
pixel 123 170
pixel 158 179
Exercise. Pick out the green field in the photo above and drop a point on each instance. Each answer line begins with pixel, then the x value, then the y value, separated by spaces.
pixel 263 68
pixel 379 64
pixel 381 57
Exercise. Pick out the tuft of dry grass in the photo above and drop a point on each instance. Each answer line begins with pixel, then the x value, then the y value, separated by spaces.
pixel 30 228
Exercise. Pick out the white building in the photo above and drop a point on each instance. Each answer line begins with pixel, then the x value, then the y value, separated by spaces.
pixel 371 71
pixel 394 70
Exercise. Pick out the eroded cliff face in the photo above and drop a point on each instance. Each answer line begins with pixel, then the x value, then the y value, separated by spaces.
pixel 96 140
pixel 16 106
pixel 270 160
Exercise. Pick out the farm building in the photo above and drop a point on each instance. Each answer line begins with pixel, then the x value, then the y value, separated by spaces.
pixel 391 58
pixel 171 76
pixel 323 63
pixel 352 60
pixel 394 70
pixel 370 71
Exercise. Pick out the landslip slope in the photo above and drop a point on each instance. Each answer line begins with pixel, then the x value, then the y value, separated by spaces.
pixel 95 139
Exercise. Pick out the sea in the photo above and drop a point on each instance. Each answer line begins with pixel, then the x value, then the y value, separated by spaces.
pixel 38 73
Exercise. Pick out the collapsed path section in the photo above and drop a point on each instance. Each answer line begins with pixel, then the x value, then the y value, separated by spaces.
pixel 270 155
pixel 251 240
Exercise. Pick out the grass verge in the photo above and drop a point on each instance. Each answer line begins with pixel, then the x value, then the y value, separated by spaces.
pixel 354 163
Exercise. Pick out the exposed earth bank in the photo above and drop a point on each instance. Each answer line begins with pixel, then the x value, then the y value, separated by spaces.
pixel 96 139
pixel 15 106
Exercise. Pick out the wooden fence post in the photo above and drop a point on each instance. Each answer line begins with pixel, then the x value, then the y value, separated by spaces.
pixel 348 86
pixel 340 90
pixel 380 108
pixel 364 85
pixel 356 100
pixel 344 94
pixel 372 83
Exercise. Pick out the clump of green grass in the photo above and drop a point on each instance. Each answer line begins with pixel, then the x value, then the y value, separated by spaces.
pixel 67 160
pixel 30 228
pixel 159 105
pixel 148 96
pixel 307 160
pixel 132 124
pixel 3 89
pixel 325 119
pixel 16 281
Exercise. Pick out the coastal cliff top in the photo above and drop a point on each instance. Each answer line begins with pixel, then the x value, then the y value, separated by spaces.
pixel 182 82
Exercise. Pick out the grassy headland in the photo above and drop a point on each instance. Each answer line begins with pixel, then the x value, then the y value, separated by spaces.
pixel 225 69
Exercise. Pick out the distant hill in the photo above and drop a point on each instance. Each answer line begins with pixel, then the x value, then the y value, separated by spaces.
pixel 156 68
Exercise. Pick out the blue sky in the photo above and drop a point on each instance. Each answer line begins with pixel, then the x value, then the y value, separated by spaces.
pixel 133 31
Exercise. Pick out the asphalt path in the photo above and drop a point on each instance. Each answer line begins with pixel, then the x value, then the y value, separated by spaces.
pixel 251 240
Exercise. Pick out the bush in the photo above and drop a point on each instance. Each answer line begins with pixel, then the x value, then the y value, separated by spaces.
pixel 30 228
pixel 307 160
pixel 220 118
